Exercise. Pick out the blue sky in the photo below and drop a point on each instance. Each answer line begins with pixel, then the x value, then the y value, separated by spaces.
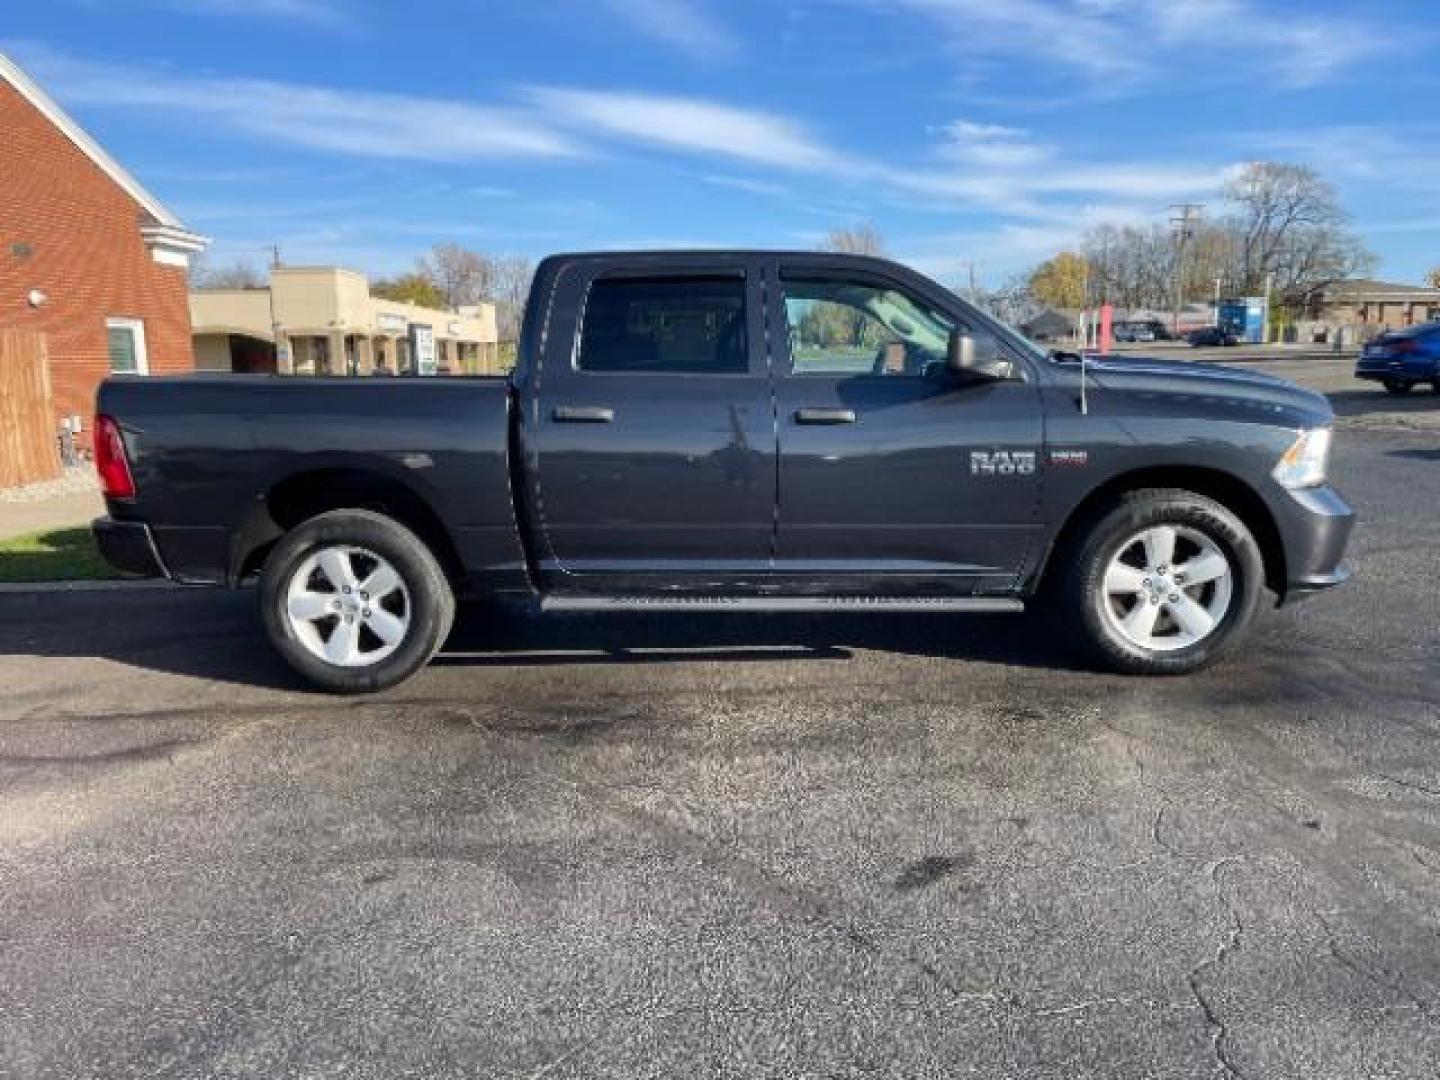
pixel 968 131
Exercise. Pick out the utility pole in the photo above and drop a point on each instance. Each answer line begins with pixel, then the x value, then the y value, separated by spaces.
pixel 274 320
pixel 970 292
pixel 1184 225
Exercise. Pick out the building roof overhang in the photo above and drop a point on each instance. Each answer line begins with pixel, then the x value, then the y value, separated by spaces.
pixel 171 244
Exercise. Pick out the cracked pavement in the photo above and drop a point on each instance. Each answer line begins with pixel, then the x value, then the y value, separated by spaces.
pixel 654 845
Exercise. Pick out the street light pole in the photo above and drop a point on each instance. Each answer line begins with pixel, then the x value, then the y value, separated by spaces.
pixel 1265 316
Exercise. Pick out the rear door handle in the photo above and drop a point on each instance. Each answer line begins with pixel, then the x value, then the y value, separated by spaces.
pixel 583 414
pixel 825 416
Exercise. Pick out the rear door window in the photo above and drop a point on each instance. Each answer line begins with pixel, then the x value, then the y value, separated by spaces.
pixel 661 326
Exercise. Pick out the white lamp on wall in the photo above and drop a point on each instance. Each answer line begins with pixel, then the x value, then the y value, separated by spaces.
pixel 36 297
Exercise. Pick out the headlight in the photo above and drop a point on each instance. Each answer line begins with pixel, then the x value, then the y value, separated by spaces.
pixel 1303 465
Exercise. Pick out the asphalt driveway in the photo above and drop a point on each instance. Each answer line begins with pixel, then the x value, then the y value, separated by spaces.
pixel 724 845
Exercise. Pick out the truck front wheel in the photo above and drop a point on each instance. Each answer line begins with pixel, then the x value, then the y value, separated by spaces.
pixel 1165 583
pixel 354 601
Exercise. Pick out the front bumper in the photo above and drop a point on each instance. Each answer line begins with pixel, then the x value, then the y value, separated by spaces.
pixel 129 547
pixel 1315 525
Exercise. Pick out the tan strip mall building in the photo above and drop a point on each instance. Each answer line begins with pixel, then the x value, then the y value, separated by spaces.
pixel 322 320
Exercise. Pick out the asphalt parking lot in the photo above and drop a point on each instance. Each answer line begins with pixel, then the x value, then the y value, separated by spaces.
pixel 741 846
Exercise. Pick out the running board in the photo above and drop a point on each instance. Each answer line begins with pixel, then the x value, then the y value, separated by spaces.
pixel 781 603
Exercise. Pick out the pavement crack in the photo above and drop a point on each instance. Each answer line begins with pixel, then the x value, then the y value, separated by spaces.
pixel 1157 835
pixel 1219 1030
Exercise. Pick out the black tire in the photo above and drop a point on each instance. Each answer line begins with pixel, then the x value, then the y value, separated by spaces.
pixel 1398 387
pixel 429 601
pixel 1083 591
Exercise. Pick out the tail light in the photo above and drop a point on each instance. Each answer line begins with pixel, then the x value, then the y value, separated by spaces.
pixel 110 460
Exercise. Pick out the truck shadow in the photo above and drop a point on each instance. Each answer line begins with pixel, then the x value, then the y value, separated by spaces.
pixel 216 635
pixel 489 636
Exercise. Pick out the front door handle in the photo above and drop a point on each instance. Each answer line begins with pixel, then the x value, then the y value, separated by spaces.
pixel 582 414
pixel 825 416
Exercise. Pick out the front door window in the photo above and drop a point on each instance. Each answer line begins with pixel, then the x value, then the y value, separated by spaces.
pixel 851 328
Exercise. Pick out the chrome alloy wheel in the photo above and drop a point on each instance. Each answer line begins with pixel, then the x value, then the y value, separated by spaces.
pixel 348 606
pixel 1167 588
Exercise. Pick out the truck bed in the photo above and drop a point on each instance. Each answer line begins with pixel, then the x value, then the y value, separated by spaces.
pixel 207 452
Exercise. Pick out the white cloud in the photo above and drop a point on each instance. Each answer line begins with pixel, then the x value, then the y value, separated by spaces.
pixel 356 122
pixel 316 11
pixel 748 184
pixel 691 124
pixel 1118 44
pixel 682 25
pixel 967 142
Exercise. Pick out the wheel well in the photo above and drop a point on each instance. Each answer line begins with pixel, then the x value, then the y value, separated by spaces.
pixel 298 498
pixel 1229 491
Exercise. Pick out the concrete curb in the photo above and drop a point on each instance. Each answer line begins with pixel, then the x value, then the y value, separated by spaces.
pixel 117 585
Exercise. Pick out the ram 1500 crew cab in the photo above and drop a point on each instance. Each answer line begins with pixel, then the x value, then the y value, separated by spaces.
pixel 757 431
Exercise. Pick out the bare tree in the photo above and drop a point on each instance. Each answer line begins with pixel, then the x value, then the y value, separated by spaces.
pixel 239 274
pixel 1012 303
pixel 1134 267
pixel 510 276
pixel 861 238
pixel 1285 220
pixel 1289 223
pixel 462 276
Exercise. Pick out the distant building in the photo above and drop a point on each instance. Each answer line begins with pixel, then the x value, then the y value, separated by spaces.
pixel 1051 324
pixel 1355 311
pixel 88 257
pixel 322 320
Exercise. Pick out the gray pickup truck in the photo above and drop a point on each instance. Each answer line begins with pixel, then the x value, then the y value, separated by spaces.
pixel 723 431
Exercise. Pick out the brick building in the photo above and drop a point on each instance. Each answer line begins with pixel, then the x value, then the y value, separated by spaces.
pixel 1352 312
pixel 88 257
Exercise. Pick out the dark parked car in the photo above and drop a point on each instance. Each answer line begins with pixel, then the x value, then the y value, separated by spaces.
pixel 1212 336
pixel 1134 332
pixel 1401 358
pixel 745 431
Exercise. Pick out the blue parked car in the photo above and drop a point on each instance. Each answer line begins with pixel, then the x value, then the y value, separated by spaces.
pixel 1399 359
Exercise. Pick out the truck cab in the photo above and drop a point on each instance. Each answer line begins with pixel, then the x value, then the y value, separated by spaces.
pixel 772 424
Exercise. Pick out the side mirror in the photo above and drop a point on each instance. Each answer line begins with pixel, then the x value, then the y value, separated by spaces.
pixel 976 355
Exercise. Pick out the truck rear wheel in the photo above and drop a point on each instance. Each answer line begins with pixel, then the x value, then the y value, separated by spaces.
pixel 1165 583
pixel 354 601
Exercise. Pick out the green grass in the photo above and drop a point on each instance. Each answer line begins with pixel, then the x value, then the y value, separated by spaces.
pixel 52 555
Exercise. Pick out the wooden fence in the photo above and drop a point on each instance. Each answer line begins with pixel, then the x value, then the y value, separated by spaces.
pixel 27 420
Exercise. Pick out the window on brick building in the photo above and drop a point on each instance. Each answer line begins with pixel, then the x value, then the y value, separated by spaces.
pixel 127 346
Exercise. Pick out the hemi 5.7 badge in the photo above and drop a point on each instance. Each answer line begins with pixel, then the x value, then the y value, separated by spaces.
pixel 1074 458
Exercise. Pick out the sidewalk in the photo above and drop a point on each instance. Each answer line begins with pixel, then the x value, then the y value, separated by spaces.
pixel 72 500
